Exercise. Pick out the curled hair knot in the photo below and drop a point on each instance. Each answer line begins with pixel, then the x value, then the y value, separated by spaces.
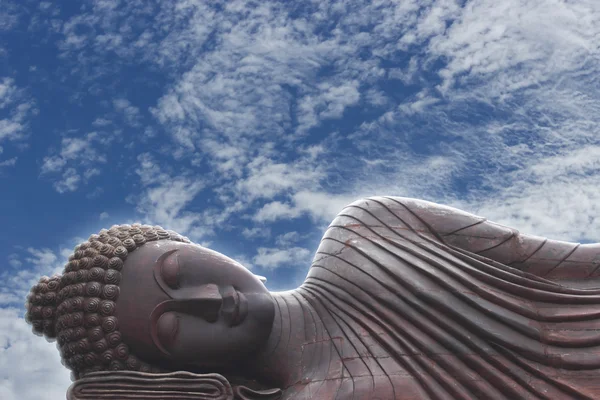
pixel 41 306
pixel 139 239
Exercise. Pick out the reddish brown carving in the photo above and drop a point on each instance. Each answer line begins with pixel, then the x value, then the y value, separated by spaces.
pixel 405 300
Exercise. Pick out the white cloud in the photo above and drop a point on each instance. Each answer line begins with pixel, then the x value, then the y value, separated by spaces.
pixel 8 163
pixel 101 122
pixel 95 193
pixel 287 239
pixel 149 171
pixel 9 15
pixel 8 91
pixel 165 197
pixel 420 103
pixel 26 270
pixel 555 196
pixel 45 5
pixel 90 173
pixel 245 261
pixel 256 232
pixel 53 164
pixel 523 43
pixel 225 157
pixel 320 206
pixel 81 148
pixel 69 182
pixel 330 102
pixel 104 215
pixel 74 148
pixel 13 260
pixel 76 152
pixel 15 109
pixel 20 347
pixel 276 210
pixel 165 203
pixel 41 257
pixel 267 179
pixel 271 258
pixel 501 86
pixel 130 112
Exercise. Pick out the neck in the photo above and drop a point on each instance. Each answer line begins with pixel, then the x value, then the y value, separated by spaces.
pixel 292 352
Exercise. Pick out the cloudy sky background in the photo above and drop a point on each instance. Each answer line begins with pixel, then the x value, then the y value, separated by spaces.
pixel 246 125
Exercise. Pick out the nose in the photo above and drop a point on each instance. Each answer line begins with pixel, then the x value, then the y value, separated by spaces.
pixel 205 302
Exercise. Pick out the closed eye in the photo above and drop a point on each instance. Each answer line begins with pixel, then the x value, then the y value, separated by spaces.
pixel 170 271
pixel 167 329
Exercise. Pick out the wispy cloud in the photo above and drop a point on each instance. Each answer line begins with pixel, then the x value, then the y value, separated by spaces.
pixel 69 181
pixel 15 109
pixel 165 197
pixel 19 347
pixel 101 122
pixel 9 15
pixel 8 163
pixel 130 112
pixel 554 196
pixel 256 232
pixel 248 82
pixel 25 269
pixel 287 238
pixel 13 260
pixel 270 258
pixel 78 157
pixel 267 179
pixel 329 102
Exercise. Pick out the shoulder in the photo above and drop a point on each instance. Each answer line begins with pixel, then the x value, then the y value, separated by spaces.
pixel 415 220
pixel 406 213
pixel 409 219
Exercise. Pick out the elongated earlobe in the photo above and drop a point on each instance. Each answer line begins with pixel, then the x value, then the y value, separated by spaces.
pixel 245 393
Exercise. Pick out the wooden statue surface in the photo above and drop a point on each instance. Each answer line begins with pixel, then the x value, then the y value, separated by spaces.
pixel 405 299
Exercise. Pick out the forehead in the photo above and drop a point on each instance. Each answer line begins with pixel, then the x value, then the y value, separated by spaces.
pixel 150 252
pixel 193 260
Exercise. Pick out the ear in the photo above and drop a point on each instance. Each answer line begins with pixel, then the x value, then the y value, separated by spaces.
pixel 245 393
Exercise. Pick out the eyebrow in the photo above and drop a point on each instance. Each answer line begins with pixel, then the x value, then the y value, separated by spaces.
pixel 157 272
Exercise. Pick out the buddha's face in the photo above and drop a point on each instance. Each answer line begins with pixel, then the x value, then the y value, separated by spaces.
pixel 186 306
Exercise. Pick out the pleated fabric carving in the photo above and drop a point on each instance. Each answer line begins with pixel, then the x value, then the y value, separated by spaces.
pixel 464 326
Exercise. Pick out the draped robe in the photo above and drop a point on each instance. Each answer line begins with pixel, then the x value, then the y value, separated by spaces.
pixel 470 309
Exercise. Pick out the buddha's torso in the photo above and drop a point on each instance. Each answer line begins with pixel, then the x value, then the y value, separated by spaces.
pixel 336 357
pixel 424 303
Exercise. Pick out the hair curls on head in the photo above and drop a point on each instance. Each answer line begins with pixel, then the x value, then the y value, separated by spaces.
pixel 77 308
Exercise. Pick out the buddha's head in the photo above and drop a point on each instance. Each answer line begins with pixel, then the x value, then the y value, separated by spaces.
pixel 140 298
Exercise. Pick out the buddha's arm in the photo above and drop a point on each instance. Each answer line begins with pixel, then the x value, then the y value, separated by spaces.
pixel 548 258
pixel 551 259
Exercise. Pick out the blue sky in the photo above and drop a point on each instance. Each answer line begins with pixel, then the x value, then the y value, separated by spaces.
pixel 247 125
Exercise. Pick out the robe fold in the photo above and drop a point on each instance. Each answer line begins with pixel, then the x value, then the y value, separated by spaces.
pixel 471 309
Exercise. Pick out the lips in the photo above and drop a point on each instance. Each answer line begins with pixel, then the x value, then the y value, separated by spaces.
pixel 235 307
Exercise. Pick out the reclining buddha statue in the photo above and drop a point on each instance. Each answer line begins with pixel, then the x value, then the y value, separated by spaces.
pixel 404 299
